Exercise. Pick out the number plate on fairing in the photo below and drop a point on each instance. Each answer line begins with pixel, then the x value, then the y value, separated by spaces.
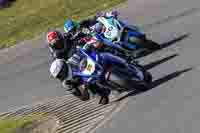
pixel 89 67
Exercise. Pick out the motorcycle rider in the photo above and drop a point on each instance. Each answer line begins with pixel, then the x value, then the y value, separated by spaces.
pixel 111 18
pixel 87 27
pixel 78 29
pixel 64 71
pixel 112 29
pixel 60 45
pixel 67 73
pixel 81 29
pixel 60 69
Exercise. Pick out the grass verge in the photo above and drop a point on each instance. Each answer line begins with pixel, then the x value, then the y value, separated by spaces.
pixel 27 18
pixel 11 124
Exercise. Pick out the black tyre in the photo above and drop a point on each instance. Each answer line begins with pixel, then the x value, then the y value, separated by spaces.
pixel 104 100
pixel 148 77
pixel 142 86
pixel 122 79
pixel 84 95
pixel 116 79
pixel 151 45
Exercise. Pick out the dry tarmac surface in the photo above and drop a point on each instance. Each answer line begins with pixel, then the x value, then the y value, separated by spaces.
pixel 169 106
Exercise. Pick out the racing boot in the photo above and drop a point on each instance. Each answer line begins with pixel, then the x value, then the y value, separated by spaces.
pixel 84 94
pixel 104 100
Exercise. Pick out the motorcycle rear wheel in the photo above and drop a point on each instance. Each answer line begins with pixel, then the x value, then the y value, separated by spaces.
pixel 151 45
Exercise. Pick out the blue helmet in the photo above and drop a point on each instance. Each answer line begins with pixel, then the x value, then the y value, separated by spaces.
pixel 69 25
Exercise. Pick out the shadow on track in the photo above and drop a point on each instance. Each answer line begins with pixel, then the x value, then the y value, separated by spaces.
pixel 156 83
pixel 158 62
pixel 153 64
pixel 165 45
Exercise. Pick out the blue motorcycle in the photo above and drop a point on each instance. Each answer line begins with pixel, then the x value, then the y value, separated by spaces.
pixel 124 36
pixel 113 72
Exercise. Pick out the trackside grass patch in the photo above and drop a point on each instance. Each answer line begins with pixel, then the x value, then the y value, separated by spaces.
pixel 26 19
pixel 10 125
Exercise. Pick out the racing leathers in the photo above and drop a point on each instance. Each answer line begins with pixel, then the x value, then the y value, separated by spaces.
pixel 106 60
pixel 66 49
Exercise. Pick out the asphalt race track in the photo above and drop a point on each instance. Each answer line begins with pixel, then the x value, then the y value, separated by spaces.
pixel 171 104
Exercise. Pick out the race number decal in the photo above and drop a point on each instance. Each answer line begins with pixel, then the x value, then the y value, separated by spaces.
pixel 109 31
pixel 110 28
pixel 89 67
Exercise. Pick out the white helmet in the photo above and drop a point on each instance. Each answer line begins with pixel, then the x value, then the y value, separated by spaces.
pixel 60 69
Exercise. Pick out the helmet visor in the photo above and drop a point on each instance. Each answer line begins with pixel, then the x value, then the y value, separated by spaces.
pixel 64 72
pixel 56 44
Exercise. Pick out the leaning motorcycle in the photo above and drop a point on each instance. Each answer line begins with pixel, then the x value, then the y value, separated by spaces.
pixel 118 76
pixel 125 36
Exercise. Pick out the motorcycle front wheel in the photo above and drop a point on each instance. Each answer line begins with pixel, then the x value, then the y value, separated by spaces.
pixel 121 79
